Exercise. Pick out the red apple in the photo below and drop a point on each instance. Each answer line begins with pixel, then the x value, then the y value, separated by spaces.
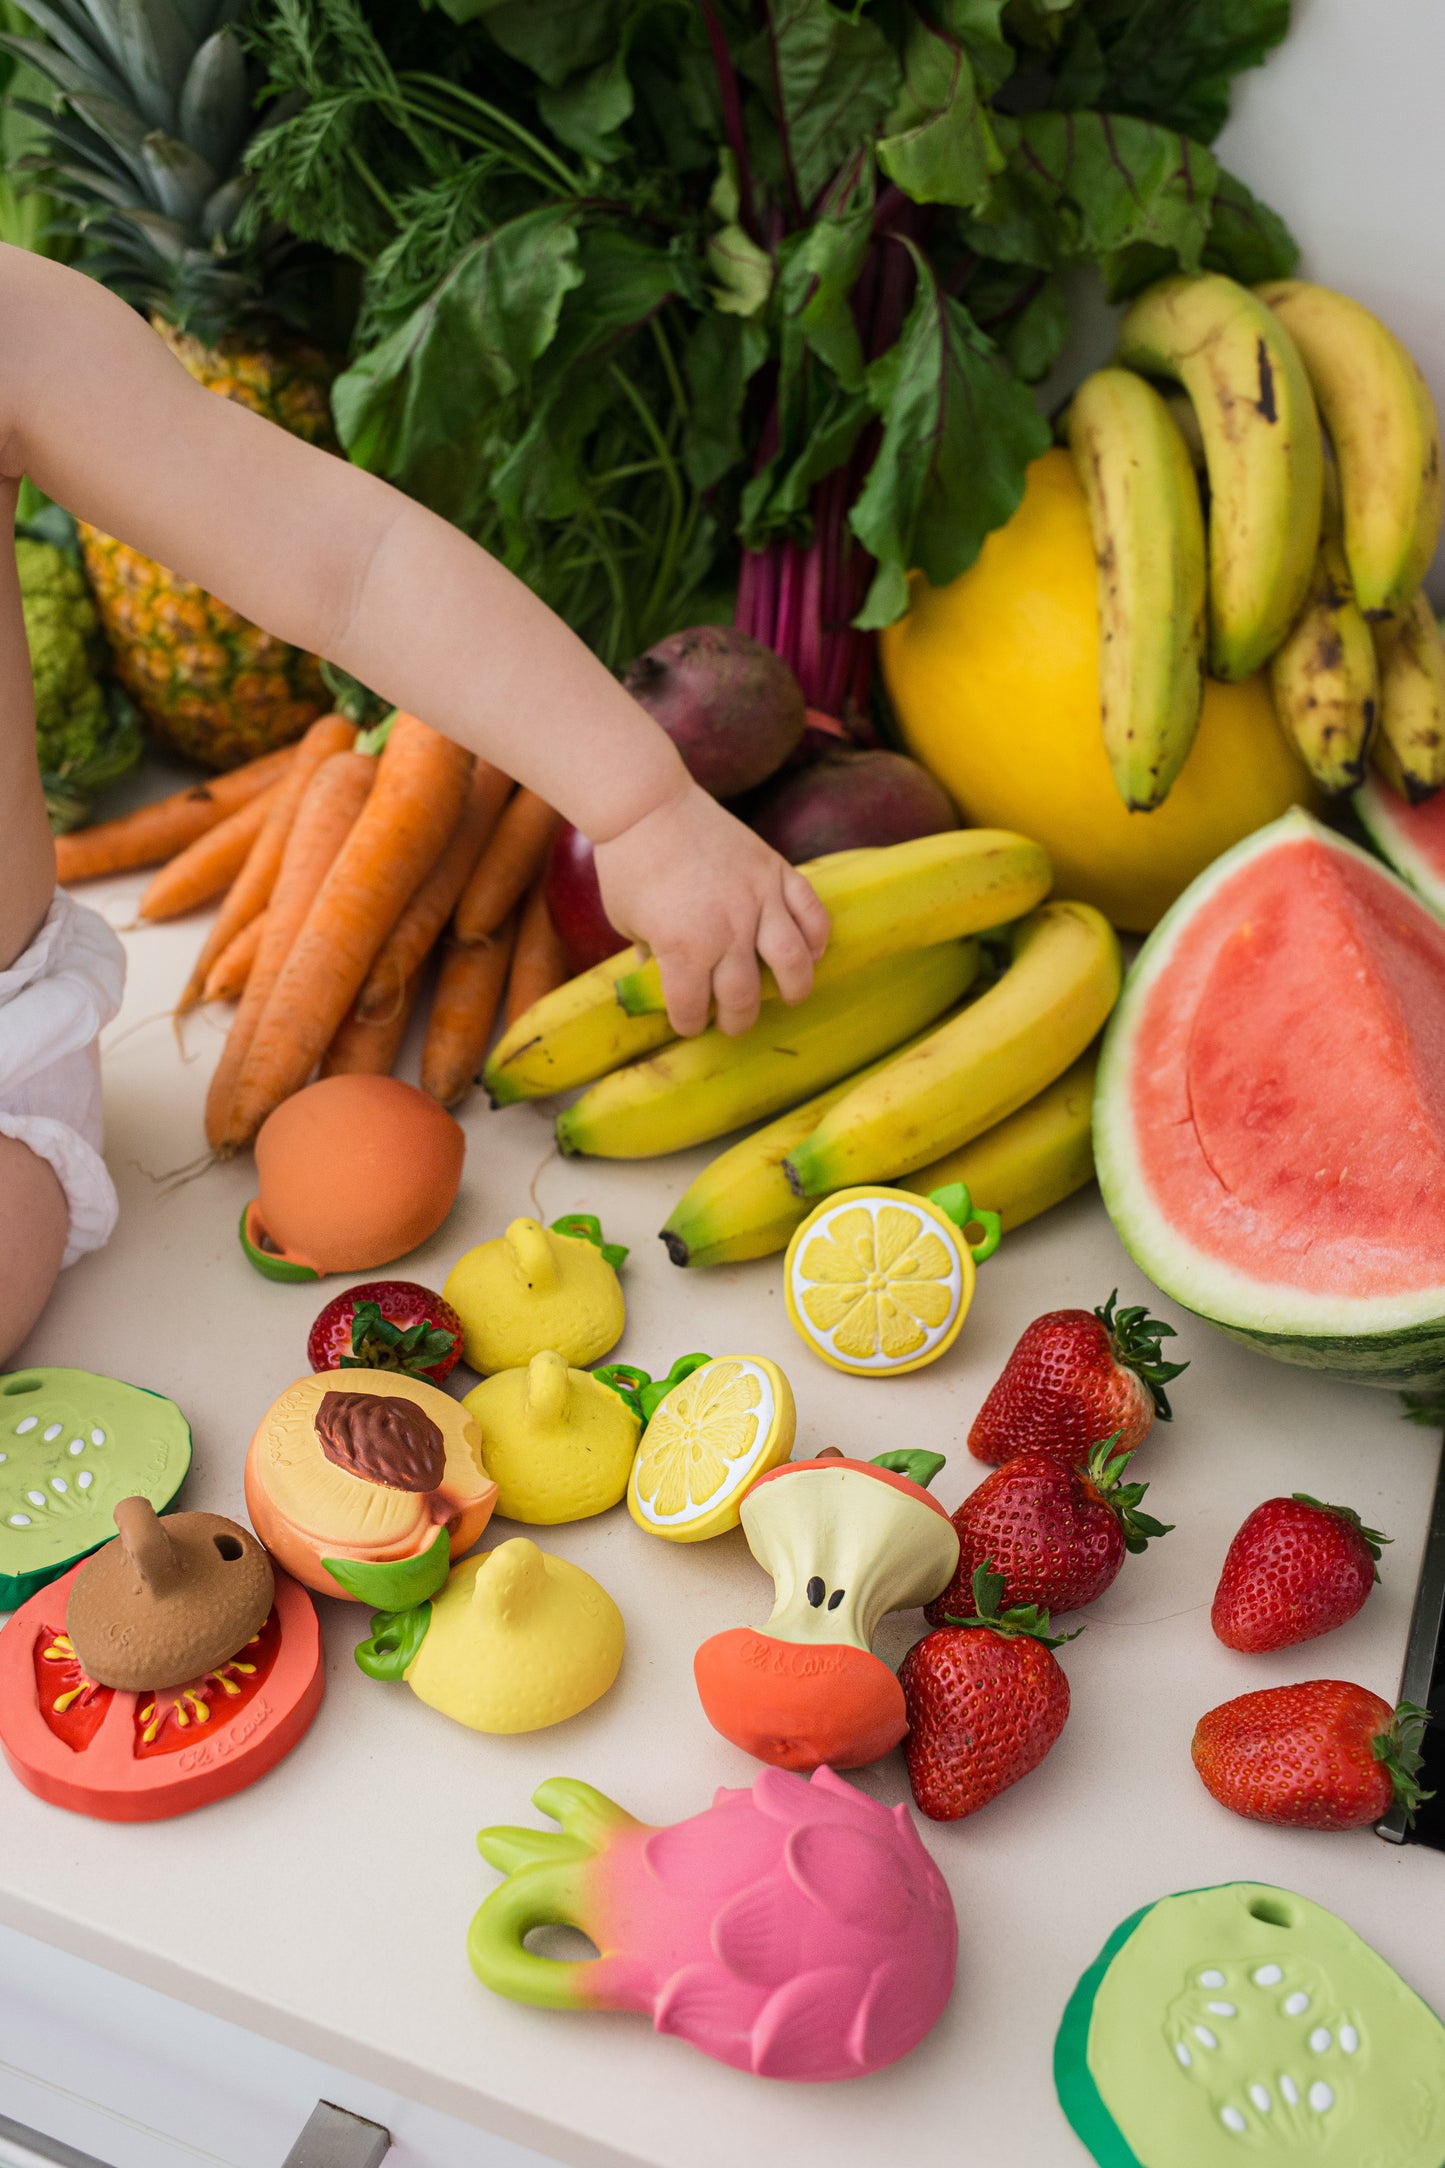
pixel 575 901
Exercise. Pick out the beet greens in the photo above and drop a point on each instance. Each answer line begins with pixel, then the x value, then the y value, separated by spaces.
pixel 667 299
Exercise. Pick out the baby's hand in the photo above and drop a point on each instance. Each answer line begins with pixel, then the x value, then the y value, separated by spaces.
pixel 709 898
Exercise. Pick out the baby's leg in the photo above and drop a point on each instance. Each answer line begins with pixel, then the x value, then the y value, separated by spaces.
pixel 34 1224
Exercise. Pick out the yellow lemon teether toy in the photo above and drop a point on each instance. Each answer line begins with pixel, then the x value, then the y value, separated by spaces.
pixel 557 1442
pixel 538 1287
pixel 707 1441
pixel 516 1640
pixel 878 1281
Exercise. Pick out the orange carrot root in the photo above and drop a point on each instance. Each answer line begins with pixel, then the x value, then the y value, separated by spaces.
pixel 369 1045
pixel 464 1008
pixel 156 831
pixel 207 867
pixel 226 979
pixel 432 905
pixel 539 961
pixel 508 867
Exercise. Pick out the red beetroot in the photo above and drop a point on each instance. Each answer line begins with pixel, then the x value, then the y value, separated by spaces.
pixel 848 800
pixel 1058 1534
pixel 1296 1569
pixel 574 901
pixel 1077 1376
pixel 387 1325
pixel 733 708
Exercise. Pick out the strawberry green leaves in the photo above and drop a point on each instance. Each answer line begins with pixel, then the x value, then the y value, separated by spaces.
pixel 958 433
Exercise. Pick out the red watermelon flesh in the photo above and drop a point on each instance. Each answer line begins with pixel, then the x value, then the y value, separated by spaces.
pixel 1271 1122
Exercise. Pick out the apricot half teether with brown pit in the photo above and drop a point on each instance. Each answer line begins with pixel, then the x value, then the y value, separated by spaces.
pixel 167 1600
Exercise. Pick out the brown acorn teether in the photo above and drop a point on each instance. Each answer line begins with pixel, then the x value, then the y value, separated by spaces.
pixel 167 1600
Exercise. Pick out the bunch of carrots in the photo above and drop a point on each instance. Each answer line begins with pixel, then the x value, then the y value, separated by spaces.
pixel 343 862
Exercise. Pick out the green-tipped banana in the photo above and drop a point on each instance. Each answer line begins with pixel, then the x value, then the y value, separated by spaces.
pixel 1149 546
pixel 1325 679
pixel 899 897
pixel 572 1036
pixel 1382 422
pixel 700 1088
pixel 741 1205
pixel 976 1069
pixel 1409 744
pixel 1261 436
pixel 1030 1161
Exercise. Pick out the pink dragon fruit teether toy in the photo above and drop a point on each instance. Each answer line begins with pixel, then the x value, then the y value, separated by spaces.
pixel 798 1930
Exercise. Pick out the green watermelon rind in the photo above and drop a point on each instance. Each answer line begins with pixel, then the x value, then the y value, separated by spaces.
pixel 1377 1340
pixel 1376 808
pixel 18 1588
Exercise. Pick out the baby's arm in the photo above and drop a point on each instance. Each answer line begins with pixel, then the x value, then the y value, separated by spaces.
pixel 328 557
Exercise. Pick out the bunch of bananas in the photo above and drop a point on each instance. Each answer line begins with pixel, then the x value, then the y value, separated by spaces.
pixel 1319 449
pixel 886 1070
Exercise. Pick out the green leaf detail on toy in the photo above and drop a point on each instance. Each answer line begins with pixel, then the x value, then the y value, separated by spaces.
pixel 1245 2022
pixel 955 1200
pixel 72 1445
pixel 1105 1469
pixel 1399 1750
pixel 394 1640
pixel 912 1461
pixel 378 1344
pixel 585 1227
pixel 1136 1336
pixel 269 1262
pixel 1374 1539
pixel 394 1584
pixel 1025 1619
pixel 643 1393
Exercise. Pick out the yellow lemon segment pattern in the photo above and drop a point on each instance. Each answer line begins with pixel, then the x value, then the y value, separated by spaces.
pixel 878 1282
pixel 717 1431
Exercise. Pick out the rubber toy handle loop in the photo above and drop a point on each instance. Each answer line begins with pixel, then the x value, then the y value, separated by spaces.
pixel 627 1380
pixel 540 1896
pixel 954 1201
pixel 393 1641
pixel 586 1227
pixel 918 1466
pixel 654 1392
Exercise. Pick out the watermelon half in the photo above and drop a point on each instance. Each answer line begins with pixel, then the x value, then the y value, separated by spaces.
pixel 1269 1125
pixel 1412 837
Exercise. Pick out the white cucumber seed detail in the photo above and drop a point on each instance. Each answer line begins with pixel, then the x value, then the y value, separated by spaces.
pixel 36 1497
pixel 1221 2009
pixel 20 1520
pixel 1289 2090
pixel 1232 2119
pixel 1295 2005
pixel 76 1445
pixel 84 1480
pixel 58 1483
pixel 52 1432
pixel 1184 2055
pixel 1212 1978
pixel 1205 2037
pixel 1259 2094
pixel 1268 1975
pixel 1320 2039
pixel 1349 2039
pixel 1322 2097
pixel 28 1424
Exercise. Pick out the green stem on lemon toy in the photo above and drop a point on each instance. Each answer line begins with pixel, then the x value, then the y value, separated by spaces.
pixel 643 1393
pixel 586 1227
pixel 954 1201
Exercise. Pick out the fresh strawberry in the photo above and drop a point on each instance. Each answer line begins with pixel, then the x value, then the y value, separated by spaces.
pixel 1325 1755
pixel 985 1699
pixel 1296 1569
pixel 1056 1533
pixel 1077 1376
pixel 387 1325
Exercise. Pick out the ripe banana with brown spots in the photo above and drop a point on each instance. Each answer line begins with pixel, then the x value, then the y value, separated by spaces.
pixel 1409 748
pixel 1325 678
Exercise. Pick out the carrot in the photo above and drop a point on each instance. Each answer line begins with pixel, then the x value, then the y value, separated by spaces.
pixel 226 979
pixel 206 868
pixel 156 831
pixel 324 819
pixel 539 961
pixel 433 903
pixel 421 784
pixel 369 1045
pixel 250 892
pixel 508 868
pixel 463 1010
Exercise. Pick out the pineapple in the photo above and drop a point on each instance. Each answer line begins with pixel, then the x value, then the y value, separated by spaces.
pixel 145 139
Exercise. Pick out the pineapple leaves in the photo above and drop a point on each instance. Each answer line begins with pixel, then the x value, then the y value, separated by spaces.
pixel 215 107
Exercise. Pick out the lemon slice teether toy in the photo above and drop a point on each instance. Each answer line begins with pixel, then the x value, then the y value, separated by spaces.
pixel 715 1427
pixel 538 1287
pixel 879 1281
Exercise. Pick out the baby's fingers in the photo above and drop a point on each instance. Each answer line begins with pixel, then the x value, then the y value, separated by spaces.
pixel 810 915
pixel 687 990
pixel 784 948
pixel 737 991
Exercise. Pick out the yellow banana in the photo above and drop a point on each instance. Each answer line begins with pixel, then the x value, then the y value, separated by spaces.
pixel 740 1206
pixel 572 1036
pixel 1261 436
pixel 899 897
pixel 1325 679
pixel 1031 1160
pixel 976 1069
pixel 1381 418
pixel 702 1087
pixel 1149 545
pixel 1409 747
